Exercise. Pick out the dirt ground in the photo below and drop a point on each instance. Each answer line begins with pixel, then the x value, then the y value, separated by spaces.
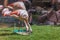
pixel 3 25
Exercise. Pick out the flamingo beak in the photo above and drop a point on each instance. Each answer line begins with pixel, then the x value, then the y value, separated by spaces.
pixel 4 14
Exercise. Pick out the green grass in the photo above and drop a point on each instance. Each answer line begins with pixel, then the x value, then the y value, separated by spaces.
pixel 42 32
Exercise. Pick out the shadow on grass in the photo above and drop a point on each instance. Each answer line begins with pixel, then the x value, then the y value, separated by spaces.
pixel 7 34
pixel 5 30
